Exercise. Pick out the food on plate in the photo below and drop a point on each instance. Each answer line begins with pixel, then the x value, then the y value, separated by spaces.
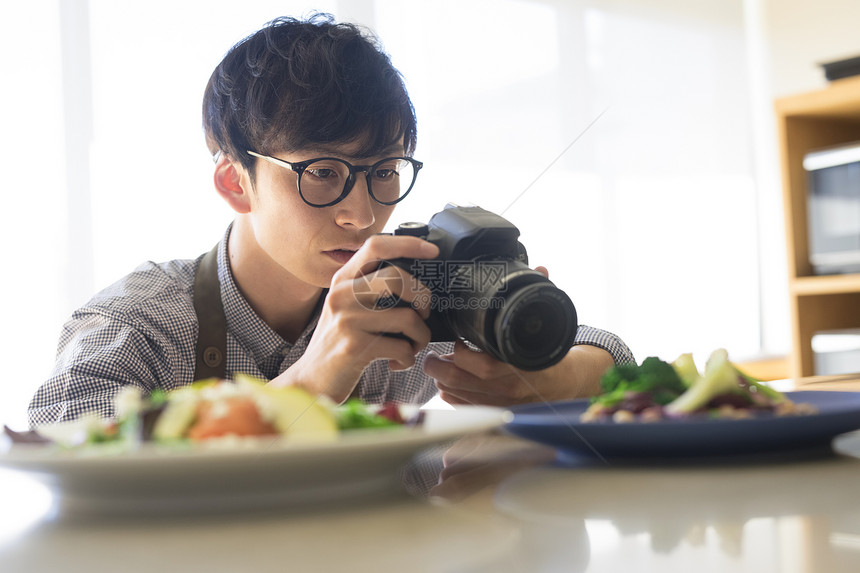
pixel 355 414
pixel 656 390
pixel 245 407
pixel 220 411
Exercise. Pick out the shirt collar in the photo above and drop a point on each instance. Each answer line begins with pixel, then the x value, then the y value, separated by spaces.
pixel 243 322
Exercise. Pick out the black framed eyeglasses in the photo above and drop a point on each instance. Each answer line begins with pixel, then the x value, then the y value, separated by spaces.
pixel 326 181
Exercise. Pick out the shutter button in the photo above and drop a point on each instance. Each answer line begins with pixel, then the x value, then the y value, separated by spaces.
pixel 412 229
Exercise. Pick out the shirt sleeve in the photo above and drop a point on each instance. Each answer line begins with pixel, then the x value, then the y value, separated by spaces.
pixel 609 342
pixel 97 355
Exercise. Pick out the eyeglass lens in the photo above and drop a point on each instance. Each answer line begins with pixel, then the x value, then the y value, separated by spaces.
pixel 323 181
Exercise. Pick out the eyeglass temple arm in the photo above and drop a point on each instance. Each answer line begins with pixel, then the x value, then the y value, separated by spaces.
pixel 274 160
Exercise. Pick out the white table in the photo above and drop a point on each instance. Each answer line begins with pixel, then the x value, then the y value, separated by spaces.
pixel 503 505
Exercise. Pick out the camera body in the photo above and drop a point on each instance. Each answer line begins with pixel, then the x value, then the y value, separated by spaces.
pixel 483 291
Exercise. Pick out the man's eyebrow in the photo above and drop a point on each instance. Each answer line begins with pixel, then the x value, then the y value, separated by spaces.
pixel 391 150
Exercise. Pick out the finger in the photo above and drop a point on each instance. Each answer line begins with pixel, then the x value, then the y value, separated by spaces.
pixel 399 352
pixel 458 386
pixel 404 322
pixel 500 398
pixel 453 399
pixel 437 366
pixel 385 248
pixel 543 270
pixel 393 281
pixel 453 380
pixel 354 313
pixel 480 364
pixel 460 397
pixel 380 291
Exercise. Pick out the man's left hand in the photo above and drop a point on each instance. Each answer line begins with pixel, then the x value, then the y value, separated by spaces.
pixel 467 376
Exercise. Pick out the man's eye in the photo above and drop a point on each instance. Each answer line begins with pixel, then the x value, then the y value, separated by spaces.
pixel 322 173
pixel 384 173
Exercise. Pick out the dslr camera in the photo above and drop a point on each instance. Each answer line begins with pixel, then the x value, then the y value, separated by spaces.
pixel 482 290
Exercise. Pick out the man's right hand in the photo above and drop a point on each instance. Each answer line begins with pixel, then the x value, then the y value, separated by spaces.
pixel 358 313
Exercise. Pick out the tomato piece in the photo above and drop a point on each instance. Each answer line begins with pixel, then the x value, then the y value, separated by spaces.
pixel 235 415
pixel 391 411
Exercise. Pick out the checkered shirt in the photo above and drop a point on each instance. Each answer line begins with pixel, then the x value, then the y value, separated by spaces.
pixel 142 331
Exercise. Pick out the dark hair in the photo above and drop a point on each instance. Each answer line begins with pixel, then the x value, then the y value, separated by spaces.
pixel 294 84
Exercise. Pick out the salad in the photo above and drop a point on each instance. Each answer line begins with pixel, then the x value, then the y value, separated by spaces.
pixel 656 390
pixel 213 412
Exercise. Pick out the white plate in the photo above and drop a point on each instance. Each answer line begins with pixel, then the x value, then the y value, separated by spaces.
pixel 261 472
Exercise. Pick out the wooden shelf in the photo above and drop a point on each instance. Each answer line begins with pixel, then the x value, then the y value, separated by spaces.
pixel 805 123
pixel 838 101
pixel 829 284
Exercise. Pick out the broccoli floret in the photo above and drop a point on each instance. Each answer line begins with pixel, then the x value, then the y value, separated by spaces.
pixel 653 376
pixel 655 373
pixel 721 377
pixel 619 375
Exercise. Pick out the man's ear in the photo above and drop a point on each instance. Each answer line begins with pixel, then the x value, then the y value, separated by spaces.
pixel 229 184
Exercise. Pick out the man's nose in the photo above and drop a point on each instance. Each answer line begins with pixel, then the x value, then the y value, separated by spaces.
pixel 356 209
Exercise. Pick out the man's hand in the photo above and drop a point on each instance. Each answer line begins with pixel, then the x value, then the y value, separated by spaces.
pixel 470 377
pixel 359 317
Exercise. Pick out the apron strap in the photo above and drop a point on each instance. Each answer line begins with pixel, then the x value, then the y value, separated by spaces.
pixel 211 353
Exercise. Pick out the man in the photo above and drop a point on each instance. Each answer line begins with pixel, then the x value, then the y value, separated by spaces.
pixel 308 122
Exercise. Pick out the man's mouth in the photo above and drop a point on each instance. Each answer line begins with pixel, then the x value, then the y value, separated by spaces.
pixel 342 256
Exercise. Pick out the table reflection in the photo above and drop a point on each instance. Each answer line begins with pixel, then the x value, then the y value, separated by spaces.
pixel 488 503
pixel 24 503
pixel 796 510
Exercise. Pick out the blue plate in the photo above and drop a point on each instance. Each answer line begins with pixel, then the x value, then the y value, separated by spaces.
pixel 557 424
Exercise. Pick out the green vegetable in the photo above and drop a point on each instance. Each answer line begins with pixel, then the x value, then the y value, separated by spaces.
pixel 756 386
pixel 617 376
pixel 653 376
pixel 686 369
pixel 157 398
pixel 721 377
pixel 355 414
pixel 103 434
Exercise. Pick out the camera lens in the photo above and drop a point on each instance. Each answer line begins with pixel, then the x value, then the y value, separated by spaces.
pixel 519 316
pixel 536 326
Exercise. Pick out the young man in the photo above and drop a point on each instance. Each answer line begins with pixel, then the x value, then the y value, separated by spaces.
pixel 307 121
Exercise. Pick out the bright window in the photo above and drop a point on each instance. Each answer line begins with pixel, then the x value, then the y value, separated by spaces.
pixel 647 218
